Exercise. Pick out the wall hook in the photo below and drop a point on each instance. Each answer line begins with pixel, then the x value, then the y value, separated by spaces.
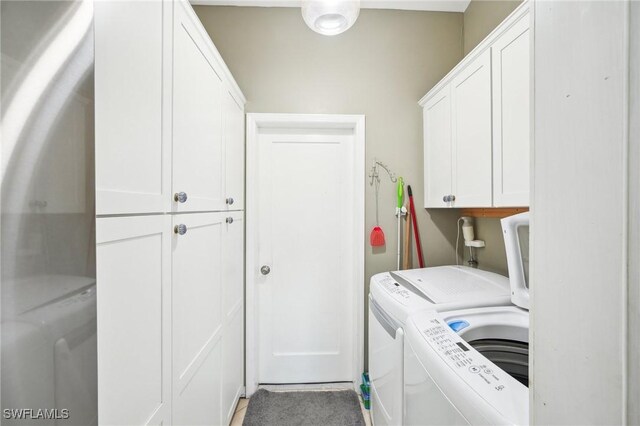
pixel 374 174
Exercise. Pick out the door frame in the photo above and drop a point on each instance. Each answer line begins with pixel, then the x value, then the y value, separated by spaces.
pixel 256 122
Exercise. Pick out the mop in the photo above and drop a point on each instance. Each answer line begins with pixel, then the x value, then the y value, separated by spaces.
pixel 401 210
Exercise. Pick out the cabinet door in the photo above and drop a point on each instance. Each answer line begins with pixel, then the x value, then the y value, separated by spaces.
pixel 471 105
pixel 198 156
pixel 197 318
pixel 233 311
pixel 134 323
pixel 437 148
pixel 233 128
pixel 131 151
pixel 511 115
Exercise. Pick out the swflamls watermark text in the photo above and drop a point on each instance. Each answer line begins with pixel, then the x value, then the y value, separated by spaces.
pixel 35 414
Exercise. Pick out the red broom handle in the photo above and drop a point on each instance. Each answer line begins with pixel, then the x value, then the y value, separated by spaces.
pixel 414 219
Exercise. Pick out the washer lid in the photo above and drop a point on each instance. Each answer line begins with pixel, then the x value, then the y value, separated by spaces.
pixel 446 284
pixel 516 241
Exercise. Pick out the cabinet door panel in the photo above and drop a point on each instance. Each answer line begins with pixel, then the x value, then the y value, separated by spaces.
pixel 233 308
pixel 130 150
pixel 511 116
pixel 134 332
pixel 198 156
pixel 471 102
pixel 233 128
pixel 197 315
pixel 199 402
pixel 437 148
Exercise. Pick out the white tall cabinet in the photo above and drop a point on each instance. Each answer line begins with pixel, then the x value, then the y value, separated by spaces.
pixel 476 123
pixel 170 226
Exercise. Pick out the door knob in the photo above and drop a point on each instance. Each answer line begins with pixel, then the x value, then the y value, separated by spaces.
pixel 180 197
pixel 265 270
pixel 180 229
pixel 229 200
pixel 229 220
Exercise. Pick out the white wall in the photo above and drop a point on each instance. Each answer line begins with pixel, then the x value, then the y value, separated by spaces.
pixel 579 213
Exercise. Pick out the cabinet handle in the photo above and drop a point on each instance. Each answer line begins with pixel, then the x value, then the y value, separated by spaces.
pixel 180 229
pixel 229 201
pixel 229 220
pixel 180 197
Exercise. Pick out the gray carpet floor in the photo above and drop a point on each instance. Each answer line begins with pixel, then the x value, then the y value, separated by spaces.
pixel 304 408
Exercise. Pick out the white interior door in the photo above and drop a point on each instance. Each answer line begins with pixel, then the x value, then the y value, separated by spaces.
pixel 305 186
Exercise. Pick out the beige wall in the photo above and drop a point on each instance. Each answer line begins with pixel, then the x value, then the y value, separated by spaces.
pixel 481 17
pixel 381 67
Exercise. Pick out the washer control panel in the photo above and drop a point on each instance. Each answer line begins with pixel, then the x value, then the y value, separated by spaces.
pixel 468 363
pixel 398 292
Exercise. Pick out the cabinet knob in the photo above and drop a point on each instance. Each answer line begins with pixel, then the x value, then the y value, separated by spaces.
pixel 265 270
pixel 229 201
pixel 180 197
pixel 445 198
pixel 229 220
pixel 452 197
pixel 180 229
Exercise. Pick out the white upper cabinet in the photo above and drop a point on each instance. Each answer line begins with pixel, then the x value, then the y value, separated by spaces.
pixel 476 124
pixel 233 129
pixel 167 107
pixel 198 150
pixel 511 62
pixel 471 118
pixel 130 145
pixel 437 148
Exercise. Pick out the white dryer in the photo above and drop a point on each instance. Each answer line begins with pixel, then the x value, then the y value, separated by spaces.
pixel 470 366
pixel 393 297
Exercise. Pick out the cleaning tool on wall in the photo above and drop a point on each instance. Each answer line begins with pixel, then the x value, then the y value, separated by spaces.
pixel 415 226
pixel 400 211
pixel 407 237
pixel 377 235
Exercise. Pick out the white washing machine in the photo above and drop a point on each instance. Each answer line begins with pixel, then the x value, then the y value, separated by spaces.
pixel 471 366
pixel 393 297
pixel 49 347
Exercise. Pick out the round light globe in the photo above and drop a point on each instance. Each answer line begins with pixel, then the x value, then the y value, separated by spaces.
pixel 330 17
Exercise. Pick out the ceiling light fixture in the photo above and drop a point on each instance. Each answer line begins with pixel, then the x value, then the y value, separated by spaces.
pixel 330 17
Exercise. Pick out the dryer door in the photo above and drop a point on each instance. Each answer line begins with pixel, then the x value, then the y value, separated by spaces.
pixel 386 340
